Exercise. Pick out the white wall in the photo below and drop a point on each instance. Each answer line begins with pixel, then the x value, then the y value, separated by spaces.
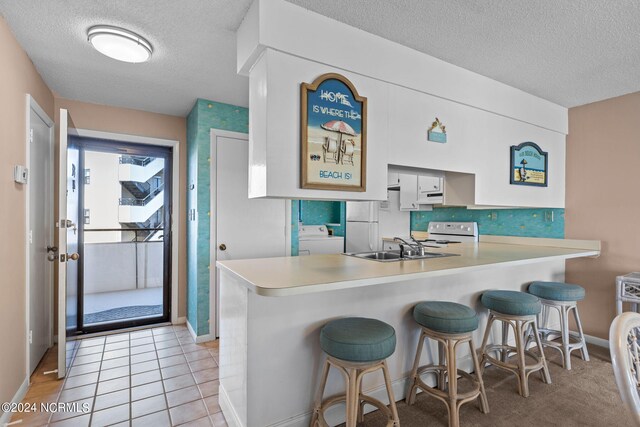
pixel 128 172
pixel 102 195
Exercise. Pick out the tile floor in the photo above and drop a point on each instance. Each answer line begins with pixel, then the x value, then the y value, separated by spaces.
pixel 154 377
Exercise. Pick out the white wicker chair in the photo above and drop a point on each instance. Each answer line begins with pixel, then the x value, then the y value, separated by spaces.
pixel 624 345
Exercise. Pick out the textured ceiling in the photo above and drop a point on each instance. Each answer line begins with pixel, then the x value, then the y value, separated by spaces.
pixel 194 50
pixel 569 52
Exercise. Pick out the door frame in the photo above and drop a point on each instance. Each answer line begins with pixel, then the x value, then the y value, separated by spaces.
pixel 214 292
pixel 175 197
pixel 32 105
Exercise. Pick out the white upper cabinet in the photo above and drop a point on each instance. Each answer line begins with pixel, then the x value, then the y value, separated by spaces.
pixel 478 142
pixel 281 46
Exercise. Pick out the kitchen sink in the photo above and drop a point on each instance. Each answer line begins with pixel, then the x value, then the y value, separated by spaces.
pixel 389 256
pixel 380 256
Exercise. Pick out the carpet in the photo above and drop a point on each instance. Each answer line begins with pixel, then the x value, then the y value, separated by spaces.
pixel 585 396
pixel 122 313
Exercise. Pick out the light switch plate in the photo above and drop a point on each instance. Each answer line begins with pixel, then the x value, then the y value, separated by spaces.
pixel 20 174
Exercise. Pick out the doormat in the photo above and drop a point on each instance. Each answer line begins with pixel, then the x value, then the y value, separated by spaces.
pixel 122 313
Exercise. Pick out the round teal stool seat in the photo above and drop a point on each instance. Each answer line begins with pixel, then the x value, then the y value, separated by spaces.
pixel 447 317
pixel 557 291
pixel 358 339
pixel 512 302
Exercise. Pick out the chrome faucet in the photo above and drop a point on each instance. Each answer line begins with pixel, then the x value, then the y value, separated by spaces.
pixel 417 246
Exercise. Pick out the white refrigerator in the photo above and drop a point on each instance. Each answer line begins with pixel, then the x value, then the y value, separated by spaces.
pixel 369 222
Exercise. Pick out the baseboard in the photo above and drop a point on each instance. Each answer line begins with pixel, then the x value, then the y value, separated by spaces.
pixel 230 415
pixel 600 342
pixel 5 418
pixel 180 321
pixel 199 338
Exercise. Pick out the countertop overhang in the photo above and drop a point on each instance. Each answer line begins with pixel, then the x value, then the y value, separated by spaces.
pixel 284 276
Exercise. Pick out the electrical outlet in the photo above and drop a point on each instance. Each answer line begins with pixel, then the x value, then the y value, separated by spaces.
pixel 548 216
pixel 494 216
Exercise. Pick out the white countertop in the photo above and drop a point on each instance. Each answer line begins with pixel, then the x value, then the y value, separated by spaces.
pixel 317 273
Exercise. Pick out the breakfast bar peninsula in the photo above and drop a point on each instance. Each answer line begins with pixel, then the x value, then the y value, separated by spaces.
pixel 272 310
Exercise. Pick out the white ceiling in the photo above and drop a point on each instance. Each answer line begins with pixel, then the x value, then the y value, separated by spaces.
pixel 193 40
pixel 569 52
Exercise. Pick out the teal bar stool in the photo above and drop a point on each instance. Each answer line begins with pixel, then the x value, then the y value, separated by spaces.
pixel 563 297
pixel 356 346
pixel 450 324
pixel 517 310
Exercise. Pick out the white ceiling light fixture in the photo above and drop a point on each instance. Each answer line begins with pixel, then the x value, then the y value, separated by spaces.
pixel 120 44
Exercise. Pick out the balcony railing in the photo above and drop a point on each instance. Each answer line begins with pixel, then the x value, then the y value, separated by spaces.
pixel 132 201
pixel 139 261
pixel 136 160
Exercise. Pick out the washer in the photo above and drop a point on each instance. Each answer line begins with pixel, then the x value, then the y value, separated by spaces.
pixel 315 239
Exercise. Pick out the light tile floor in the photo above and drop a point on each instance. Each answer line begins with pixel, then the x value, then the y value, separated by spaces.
pixel 154 377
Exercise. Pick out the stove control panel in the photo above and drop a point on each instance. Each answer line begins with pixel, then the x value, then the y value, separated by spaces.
pixel 454 228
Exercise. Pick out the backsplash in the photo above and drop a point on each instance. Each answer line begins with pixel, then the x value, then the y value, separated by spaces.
pixel 507 222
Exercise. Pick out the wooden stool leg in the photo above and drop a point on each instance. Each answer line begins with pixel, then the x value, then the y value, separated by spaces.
pixel 564 329
pixel 484 404
pixel 360 403
pixel 452 373
pixel 505 341
pixel 352 398
pixel 487 332
pixel 545 369
pixel 320 393
pixel 442 361
pixel 583 350
pixel 392 399
pixel 413 387
pixel 522 372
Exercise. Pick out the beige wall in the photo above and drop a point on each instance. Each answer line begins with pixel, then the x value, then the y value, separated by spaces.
pixel 18 77
pixel 602 201
pixel 135 122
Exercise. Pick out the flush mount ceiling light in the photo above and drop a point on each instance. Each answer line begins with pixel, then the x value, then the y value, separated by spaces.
pixel 120 44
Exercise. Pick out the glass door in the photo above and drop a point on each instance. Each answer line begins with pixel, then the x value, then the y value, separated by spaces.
pixel 124 234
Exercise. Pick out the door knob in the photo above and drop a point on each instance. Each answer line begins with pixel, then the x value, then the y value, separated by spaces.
pixel 222 247
pixel 73 257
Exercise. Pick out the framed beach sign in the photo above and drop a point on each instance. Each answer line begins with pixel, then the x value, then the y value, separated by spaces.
pixel 529 165
pixel 333 135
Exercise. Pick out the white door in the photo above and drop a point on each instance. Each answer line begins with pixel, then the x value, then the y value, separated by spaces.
pixel 68 185
pixel 40 236
pixel 244 228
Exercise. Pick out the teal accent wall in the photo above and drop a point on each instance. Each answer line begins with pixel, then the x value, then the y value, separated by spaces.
pixel 204 116
pixel 295 219
pixel 507 222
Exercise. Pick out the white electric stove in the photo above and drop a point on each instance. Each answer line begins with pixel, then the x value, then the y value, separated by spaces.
pixel 442 234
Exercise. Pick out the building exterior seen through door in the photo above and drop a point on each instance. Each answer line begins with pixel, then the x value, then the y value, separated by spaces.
pixel 124 240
